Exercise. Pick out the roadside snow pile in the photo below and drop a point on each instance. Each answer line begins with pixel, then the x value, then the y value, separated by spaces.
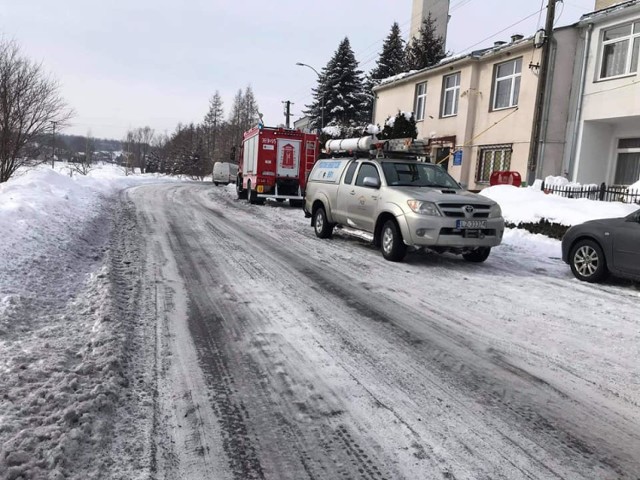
pixel 524 205
pixel 59 346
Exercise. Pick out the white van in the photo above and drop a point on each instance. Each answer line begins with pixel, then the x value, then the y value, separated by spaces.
pixel 224 172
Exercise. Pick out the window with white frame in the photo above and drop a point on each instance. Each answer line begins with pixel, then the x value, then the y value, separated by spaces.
pixel 492 158
pixel 450 95
pixel 628 164
pixel 507 84
pixel 620 47
pixel 421 100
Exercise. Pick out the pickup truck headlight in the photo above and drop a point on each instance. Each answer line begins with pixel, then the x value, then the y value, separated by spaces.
pixel 495 211
pixel 424 208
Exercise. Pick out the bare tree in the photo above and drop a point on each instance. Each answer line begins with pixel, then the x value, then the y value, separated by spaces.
pixel 30 105
pixel 128 150
pixel 85 163
pixel 145 136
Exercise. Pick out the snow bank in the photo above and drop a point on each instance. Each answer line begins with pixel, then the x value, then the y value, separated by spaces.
pixel 635 187
pixel 59 346
pixel 521 205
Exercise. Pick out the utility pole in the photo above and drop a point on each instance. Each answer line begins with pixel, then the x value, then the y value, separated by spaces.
pixel 53 156
pixel 542 91
pixel 287 111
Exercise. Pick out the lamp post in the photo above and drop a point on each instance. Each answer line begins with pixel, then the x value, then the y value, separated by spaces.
pixel 300 64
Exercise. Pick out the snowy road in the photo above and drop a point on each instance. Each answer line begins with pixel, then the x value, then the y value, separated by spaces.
pixel 282 356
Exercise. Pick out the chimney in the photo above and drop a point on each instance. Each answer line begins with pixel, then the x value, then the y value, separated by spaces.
pixel 516 37
pixel 439 10
pixel 499 43
pixel 601 4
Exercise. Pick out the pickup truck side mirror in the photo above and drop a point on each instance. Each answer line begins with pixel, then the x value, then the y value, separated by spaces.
pixel 371 182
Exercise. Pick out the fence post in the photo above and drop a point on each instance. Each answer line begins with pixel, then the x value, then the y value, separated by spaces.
pixel 603 188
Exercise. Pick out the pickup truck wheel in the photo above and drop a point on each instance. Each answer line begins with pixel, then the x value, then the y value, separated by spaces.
pixel 587 261
pixel 477 255
pixel 321 226
pixel 240 192
pixel 392 246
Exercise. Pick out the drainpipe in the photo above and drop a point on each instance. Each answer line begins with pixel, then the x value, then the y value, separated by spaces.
pixel 546 108
pixel 583 81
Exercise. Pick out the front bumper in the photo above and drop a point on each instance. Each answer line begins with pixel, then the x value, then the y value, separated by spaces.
pixel 421 230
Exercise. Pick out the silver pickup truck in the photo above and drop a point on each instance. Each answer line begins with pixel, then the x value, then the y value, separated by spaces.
pixel 403 203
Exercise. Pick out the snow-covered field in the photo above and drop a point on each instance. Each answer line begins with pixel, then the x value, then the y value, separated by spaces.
pixel 61 356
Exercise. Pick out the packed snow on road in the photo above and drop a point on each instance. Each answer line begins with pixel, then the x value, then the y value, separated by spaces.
pixel 152 328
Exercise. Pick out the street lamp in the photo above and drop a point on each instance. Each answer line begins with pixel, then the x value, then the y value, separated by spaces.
pixel 300 64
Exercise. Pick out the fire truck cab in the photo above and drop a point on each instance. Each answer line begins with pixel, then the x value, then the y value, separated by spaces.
pixel 275 163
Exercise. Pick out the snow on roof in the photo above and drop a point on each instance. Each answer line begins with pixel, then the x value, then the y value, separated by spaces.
pixel 454 58
pixel 399 76
pixel 608 11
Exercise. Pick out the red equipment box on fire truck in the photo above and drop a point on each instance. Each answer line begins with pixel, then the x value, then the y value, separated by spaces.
pixel 275 163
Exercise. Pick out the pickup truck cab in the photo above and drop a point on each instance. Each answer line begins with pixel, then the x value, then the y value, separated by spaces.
pixel 403 203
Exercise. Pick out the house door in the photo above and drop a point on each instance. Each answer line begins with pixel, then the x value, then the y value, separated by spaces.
pixel 442 157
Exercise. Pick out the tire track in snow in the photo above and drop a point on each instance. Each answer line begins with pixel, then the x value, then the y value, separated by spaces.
pixel 458 360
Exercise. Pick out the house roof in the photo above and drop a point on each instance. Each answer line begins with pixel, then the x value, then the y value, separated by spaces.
pixel 476 55
pixel 453 60
pixel 614 10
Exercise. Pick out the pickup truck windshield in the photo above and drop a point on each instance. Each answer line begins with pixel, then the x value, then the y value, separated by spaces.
pixel 415 174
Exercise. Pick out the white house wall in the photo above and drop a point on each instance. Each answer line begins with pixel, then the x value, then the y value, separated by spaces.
pixel 610 107
pixel 596 143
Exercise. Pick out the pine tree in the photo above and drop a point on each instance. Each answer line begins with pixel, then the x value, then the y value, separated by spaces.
pixel 244 114
pixel 399 127
pixel 340 86
pixel 235 119
pixel 249 117
pixel 426 49
pixel 391 60
pixel 213 121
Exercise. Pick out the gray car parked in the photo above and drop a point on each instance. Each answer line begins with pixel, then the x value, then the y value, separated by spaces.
pixel 598 247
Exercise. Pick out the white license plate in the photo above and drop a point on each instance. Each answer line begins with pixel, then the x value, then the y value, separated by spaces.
pixel 471 224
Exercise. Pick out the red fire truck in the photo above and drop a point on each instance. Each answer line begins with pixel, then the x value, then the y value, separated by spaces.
pixel 275 163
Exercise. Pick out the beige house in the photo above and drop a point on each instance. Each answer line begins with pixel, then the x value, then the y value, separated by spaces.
pixel 482 106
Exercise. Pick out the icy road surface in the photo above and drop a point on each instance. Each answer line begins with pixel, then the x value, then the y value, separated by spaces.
pixel 278 355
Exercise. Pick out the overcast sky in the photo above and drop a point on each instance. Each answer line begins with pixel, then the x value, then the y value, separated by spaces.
pixel 129 63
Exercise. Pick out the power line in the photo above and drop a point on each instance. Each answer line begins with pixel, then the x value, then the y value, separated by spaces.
pixel 502 31
pixel 460 4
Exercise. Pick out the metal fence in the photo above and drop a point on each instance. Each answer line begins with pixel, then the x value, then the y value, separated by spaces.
pixel 603 193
